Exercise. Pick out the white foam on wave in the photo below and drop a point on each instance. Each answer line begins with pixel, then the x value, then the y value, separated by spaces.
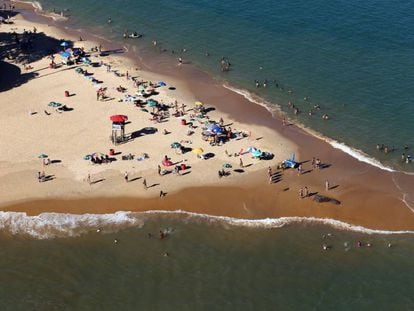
pixel 359 155
pixel 272 108
pixel 52 225
pixel 271 223
pixel 55 225
pixel 355 153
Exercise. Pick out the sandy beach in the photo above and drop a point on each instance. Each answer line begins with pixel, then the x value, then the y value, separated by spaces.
pixel 368 196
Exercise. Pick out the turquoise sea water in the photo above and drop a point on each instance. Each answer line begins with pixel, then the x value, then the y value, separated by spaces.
pixel 211 266
pixel 352 58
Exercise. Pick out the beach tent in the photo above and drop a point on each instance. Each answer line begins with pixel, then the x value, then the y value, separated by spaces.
pixel 118 118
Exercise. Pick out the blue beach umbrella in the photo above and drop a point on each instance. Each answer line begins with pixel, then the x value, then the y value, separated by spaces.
pixel 65 54
pixel 161 83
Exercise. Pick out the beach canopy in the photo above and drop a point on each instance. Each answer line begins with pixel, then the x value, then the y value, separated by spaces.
pixel 198 150
pixel 118 118
pixel 175 145
pixel 65 54
pixel 64 44
pixel 43 156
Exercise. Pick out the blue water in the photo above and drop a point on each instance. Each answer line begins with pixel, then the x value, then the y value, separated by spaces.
pixel 352 58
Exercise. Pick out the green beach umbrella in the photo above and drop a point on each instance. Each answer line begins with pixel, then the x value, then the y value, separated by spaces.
pixel 175 145
pixel 141 88
pixel 151 103
pixel 43 156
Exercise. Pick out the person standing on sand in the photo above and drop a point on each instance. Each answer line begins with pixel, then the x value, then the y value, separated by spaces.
pixel 241 163
pixel 88 179
pixel 145 184
pixel 159 170
pixel 126 176
pixel 301 193
pixel 306 192
pixel 327 185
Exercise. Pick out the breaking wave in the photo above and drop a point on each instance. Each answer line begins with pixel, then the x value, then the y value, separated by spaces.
pixel 56 225
pixel 275 110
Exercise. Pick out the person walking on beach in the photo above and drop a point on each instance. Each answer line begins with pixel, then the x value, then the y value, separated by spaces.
pixel 327 185
pixel 162 194
pixel 145 184
pixel 126 176
pixel 270 174
pixel 88 179
pixel 300 169
pixel 305 192
pixel 159 170
pixel 241 163
pixel 301 193
pixel 39 177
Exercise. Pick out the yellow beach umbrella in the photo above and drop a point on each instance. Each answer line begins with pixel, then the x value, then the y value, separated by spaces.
pixel 198 150
pixel 198 103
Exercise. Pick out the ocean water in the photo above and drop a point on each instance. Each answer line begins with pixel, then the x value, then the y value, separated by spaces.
pixel 211 265
pixel 352 58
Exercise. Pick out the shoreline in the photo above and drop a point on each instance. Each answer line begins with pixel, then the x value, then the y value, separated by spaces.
pixel 355 177
pixel 274 109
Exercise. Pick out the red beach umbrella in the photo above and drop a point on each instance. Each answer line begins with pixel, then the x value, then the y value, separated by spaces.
pixel 118 118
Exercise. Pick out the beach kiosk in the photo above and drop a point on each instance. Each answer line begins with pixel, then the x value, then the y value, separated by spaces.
pixel 118 128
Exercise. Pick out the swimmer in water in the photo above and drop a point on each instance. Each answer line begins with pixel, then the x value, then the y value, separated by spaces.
pixel 109 20
pixel 116 241
pixel 162 235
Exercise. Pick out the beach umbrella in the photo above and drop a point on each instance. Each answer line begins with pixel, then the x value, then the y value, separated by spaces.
pixel 118 118
pixel 161 83
pixel 141 88
pixel 175 145
pixel 87 157
pixel 198 150
pixel 151 103
pixel 65 54
pixel 257 153
pixel 199 103
pixel 227 165
pixel 43 156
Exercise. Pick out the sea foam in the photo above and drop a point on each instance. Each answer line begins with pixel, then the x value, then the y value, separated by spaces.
pixel 276 110
pixel 56 225
pixel 52 225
